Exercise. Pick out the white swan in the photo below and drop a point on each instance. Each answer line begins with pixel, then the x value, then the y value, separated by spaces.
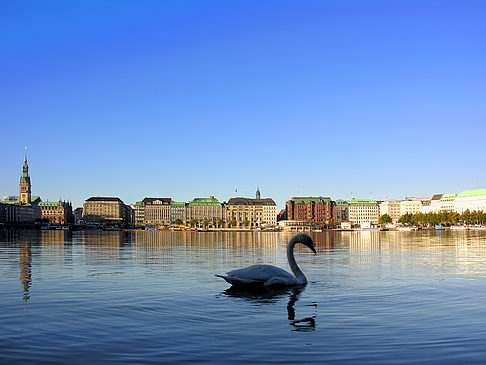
pixel 268 275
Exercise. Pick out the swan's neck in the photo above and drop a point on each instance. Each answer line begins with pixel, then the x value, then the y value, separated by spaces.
pixel 293 264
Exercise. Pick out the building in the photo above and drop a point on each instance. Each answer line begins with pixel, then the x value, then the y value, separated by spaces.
pixel 471 200
pixel 177 211
pixel 78 216
pixel 153 212
pixel 104 210
pixel 28 210
pixel 201 209
pixel 412 205
pixel 392 208
pixel 341 211
pixel 251 213
pixel 315 209
pixel 60 212
pixel 363 210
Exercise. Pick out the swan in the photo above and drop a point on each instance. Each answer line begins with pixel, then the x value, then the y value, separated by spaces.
pixel 272 276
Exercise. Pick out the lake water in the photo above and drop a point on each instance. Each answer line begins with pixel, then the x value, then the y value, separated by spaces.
pixel 152 297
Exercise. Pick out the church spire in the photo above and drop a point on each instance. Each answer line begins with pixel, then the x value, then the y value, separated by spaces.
pixel 258 193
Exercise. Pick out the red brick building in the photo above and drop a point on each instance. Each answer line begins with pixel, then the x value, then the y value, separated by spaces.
pixel 315 209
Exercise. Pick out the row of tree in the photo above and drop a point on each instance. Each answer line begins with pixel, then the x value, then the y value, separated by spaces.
pixel 467 217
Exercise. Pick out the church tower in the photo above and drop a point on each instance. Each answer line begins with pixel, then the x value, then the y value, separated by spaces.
pixel 25 190
pixel 258 193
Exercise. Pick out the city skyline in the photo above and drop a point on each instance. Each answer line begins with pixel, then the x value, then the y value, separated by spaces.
pixel 185 99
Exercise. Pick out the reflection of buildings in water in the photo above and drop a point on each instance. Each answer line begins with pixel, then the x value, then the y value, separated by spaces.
pixel 209 247
pixel 25 261
pixel 102 247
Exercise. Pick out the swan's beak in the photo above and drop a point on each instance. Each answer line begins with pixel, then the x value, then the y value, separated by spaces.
pixel 313 250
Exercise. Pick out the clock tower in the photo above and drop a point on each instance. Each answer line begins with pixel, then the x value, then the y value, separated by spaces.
pixel 25 189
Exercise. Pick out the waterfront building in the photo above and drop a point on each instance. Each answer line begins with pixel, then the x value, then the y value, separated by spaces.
pixel 28 210
pixel 78 216
pixel 315 209
pixel 154 212
pixel 431 206
pixel 109 210
pixel 392 208
pixel 60 212
pixel 255 212
pixel 341 211
pixel 201 209
pixel 10 198
pixel 412 205
pixel 474 199
pixel 177 211
pixel 446 202
pixel 363 210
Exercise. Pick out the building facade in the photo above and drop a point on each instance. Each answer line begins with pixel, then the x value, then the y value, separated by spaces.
pixel 412 205
pixel 60 212
pixel 363 210
pixel 251 213
pixel 315 209
pixel 201 209
pixel 153 212
pixel 392 208
pixel 104 210
pixel 341 211
pixel 474 199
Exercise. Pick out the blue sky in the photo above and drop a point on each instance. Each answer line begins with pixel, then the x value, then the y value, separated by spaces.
pixel 195 98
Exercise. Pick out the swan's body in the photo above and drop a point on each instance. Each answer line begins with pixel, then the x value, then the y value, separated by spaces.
pixel 268 275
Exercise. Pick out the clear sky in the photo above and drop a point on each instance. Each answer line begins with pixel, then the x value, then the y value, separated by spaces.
pixel 196 98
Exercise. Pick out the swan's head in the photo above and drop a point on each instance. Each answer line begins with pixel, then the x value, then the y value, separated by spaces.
pixel 305 240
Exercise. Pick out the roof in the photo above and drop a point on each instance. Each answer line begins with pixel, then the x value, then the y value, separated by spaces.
pixel 177 203
pixel 437 197
pixel 204 201
pixel 156 200
pixel 249 201
pixel 309 200
pixel 49 204
pixel 103 199
pixel 341 202
pixel 448 196
pixel 472 192
pixel 362 201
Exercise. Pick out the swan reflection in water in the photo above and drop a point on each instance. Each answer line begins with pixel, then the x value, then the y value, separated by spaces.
pixel 264 296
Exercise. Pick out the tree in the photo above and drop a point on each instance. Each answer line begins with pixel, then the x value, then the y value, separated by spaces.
pixel 193 222
pixel 219 222
pixel 246 223
pixel 232 223
pixel 405 219
pixel 206 223
pixel 178 222
pixel 385 219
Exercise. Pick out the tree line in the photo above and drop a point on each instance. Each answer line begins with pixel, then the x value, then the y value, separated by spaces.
pixel 467 217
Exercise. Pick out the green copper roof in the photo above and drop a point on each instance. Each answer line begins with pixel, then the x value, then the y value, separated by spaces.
pixel 205 201
pixel 341 202
pixel 448 196
pixel 472 192
pixel 48 204
pixel 361 201
pixel 318 200
pixel 177 203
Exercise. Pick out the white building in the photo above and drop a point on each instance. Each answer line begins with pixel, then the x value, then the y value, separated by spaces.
pixel 474 199
pixel 392 208
pixel 363 210
pixel 412 205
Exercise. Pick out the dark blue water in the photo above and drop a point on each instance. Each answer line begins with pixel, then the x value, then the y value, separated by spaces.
pixel 151 297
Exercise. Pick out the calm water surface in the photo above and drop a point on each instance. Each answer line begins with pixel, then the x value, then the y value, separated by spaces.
pixel 151 297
